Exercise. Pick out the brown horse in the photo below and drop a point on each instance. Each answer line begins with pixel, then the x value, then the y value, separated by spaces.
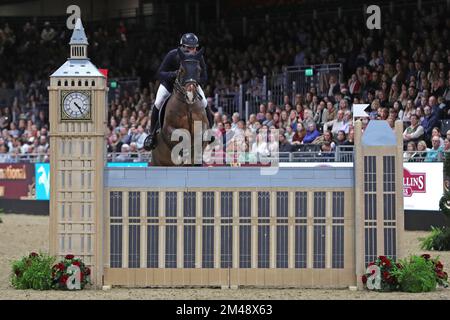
pixel 183 108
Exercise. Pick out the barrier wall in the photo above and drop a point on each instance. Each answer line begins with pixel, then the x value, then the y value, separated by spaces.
pixel 229 226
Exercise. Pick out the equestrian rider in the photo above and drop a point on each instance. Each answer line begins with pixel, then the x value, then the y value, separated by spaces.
pixel 167 74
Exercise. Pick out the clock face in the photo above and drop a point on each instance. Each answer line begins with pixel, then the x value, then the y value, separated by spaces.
pixel 76 105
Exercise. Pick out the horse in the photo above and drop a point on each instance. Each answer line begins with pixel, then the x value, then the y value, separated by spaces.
pixel 183 108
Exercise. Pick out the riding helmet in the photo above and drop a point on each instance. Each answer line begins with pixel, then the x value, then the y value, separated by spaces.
pixel 189 40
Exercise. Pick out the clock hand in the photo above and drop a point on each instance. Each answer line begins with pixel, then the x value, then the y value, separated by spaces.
pixel 77 106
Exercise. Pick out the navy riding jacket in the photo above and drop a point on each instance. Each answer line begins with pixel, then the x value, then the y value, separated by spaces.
pixel 170 65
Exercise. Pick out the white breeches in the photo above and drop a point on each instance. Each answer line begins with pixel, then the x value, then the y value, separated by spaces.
pixel 163 94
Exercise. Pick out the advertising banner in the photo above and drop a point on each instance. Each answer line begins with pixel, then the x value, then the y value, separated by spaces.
pixel 423 185
pixel 42 173
pixel 17 181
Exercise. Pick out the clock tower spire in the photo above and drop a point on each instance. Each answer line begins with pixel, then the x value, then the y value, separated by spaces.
pixel 78 42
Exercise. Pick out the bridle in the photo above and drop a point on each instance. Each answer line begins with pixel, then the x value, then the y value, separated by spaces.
pixel 181 89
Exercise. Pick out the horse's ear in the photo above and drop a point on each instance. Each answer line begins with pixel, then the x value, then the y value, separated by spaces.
pixel 181 54
pixel 200 53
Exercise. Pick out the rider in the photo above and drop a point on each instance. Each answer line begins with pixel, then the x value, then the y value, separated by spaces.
pixel 167 74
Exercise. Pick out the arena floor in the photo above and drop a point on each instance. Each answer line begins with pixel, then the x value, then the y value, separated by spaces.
pixel 21 234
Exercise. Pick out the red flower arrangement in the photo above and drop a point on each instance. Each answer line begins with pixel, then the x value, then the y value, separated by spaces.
pixel 441 275
pixel 60 272
pixel 388 281
pixel 392 277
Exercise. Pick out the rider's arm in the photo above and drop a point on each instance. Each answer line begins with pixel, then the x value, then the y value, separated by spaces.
pixel 165 71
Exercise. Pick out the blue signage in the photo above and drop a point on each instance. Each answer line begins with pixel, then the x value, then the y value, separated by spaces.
pixel 42 174
pixel 127 164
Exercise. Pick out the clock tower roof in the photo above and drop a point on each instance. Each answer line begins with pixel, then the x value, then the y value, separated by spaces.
pixel 77 68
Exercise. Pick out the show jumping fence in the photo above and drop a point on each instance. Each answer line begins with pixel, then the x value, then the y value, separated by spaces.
pixel 313 225
pixel 302 227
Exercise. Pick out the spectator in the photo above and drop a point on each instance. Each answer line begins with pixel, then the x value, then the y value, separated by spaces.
pixel 409 110
pixel 410 151
pixel 235 119
pixel 414 132
pixel 284 145
pixel 329 112
pixel 134 151
pixel 123 156
pixel 269 120
pixel 311 133
pixel 422 151
pixel 124 137
pixel 337 124
pixel 446 146
pixel 260 147
pixel 48 33
pixel 429 121
pixel 341 138
pixel 350 141
pixel 246 156
pixel 333 86
pixel 115 145
pixel 327 151
pixel 354 85
pixel 299 134
pixel 261 116
pixel 217 120
pixel 436 132
pixel 436 151
pixel 4 155
pixel 289 134
pixel 140 137
pixel 326 137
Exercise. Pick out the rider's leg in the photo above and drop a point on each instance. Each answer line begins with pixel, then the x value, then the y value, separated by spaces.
pixel 202 94
pixel 205 105
pixel 161 97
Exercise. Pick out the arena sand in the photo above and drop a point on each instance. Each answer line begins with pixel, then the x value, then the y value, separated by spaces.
pixel 21 234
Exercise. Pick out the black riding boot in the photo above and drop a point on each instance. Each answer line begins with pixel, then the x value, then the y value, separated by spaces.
pixel 150 141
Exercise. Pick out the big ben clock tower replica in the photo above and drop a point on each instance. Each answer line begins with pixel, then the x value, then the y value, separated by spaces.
pixel 77 104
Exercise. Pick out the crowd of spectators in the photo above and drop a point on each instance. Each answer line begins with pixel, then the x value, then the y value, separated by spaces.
pixel 401 71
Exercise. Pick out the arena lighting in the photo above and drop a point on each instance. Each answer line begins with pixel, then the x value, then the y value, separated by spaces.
pixel 309 72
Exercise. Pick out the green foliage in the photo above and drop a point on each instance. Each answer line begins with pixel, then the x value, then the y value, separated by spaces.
pixel 33 272
pixel 439 239
pixel 416 274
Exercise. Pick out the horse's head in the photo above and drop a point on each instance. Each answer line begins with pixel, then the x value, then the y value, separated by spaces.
pixel 189 74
